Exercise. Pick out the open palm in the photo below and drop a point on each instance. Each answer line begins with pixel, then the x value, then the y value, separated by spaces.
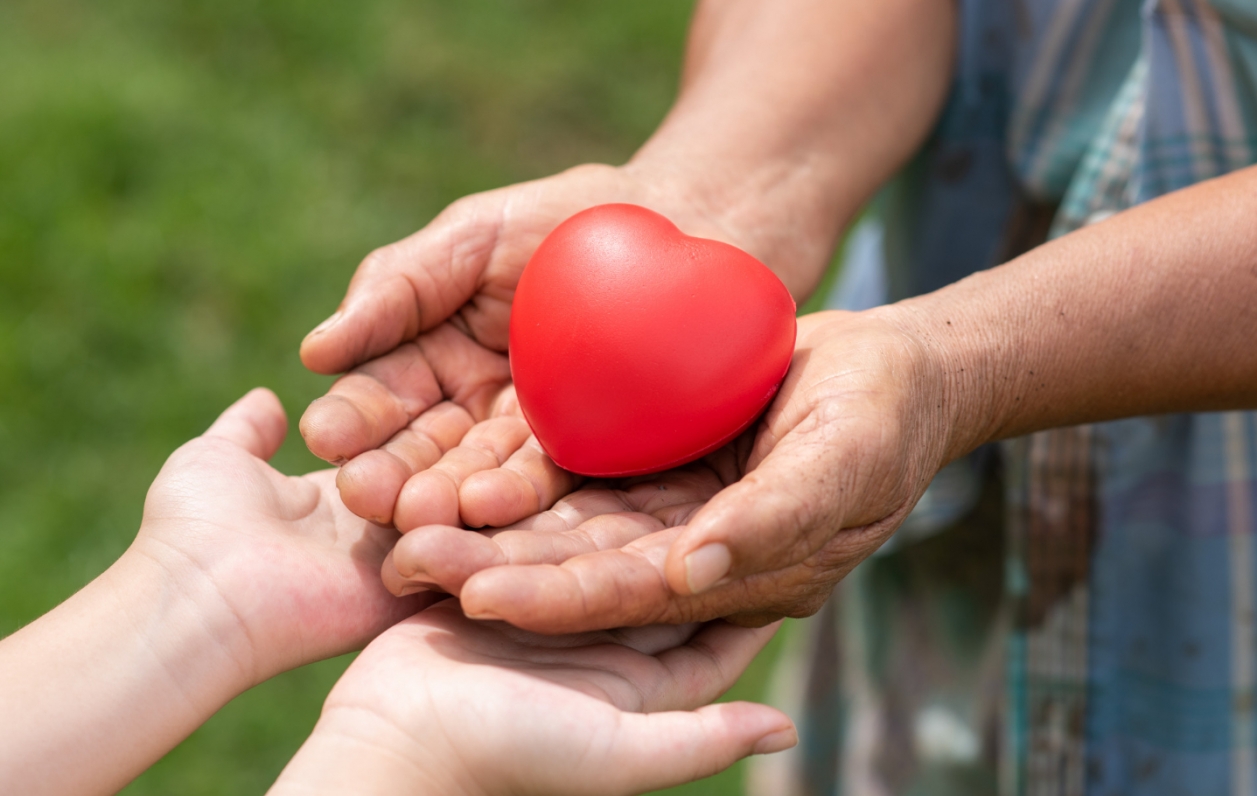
pixel 484 708
pixel 288 572
pixel 838 461
pixel 425 325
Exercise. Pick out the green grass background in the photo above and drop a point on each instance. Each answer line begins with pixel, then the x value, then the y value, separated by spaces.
pixel 185 189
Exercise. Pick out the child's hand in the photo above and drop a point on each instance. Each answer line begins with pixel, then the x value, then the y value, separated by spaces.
pixel 288 574
pixel 237 574
pixel 444 705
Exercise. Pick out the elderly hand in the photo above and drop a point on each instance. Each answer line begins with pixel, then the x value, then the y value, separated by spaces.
pixel 780 185
pixel 762 528
pixel 429 316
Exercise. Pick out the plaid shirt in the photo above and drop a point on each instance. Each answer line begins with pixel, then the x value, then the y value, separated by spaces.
pixel 1089 627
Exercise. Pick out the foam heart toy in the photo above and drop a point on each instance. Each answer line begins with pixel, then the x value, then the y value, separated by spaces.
pixel 635 348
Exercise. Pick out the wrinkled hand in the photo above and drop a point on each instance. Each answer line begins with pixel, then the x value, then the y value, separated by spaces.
pixel 442 704
pixel 763 528
pixel 429 317
pixel 278 561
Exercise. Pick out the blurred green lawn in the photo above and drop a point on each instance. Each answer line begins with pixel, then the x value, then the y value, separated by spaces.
pixel 185 189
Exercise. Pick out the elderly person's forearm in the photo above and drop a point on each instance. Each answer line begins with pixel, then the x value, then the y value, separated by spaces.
pixel 792 113
pixel 1152 311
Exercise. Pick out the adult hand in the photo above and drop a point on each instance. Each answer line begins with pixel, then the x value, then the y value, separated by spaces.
pixel 853 89
pixel 762 528
pixel 443 704
pixel 876 402
pixel 429 316
pixel 283 572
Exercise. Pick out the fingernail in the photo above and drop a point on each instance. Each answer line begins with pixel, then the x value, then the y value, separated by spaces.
pixel 706 566
pixel 778 741
pixel 487 616
pixel 412 588
pixel 328 324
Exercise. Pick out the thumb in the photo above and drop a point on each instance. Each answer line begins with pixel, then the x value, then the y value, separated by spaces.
pixel 659 750
pixel 408 287
pixel 777 515
pixel 256 423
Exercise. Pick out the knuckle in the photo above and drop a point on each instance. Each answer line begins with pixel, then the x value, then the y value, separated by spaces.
pixel 801 609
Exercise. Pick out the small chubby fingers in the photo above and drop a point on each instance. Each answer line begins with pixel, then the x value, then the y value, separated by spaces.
pixel 689 666
pixel 527 482
pixel 430 497
pixel 370 483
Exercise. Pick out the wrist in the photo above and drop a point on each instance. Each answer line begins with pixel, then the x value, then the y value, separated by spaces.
pixel 964 366
pixel 217 588
pixel 127 651
pixel 787 210
pixel 353 750
pixel 191 633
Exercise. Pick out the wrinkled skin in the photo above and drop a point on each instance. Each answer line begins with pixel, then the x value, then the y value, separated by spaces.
pixel 452 281
pixel 846 113
pixel 426 321
pixel 429 434
pixel 836 464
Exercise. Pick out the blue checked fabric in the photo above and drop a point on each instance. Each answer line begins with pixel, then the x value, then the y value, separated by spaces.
pixel 1090 625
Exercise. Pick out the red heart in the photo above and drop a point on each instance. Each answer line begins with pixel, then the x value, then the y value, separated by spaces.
pixel 636 348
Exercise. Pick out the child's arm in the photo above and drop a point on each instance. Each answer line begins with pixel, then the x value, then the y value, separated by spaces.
pixel 441 704
pixel 238 573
